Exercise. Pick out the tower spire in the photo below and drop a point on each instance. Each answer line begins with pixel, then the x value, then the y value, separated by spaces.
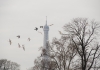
pixel 46 20
pixel 45 29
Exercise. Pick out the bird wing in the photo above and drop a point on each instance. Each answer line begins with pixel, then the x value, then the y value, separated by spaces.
pixel 23 47
pixel 60 32
pixel 51 25
pixel 18 36
pixel 10 41
pixel 41 26
pixel 19 45
pixel 36 28
pixel 29 39
pixel 40 32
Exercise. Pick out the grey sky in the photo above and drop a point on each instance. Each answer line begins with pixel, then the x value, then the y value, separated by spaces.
pixel 20 17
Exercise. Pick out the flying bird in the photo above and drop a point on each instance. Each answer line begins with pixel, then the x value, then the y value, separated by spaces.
pixel 18 36
pixel 36 28
pixel 51 25
pixel 23 47
pixel 60 32
pixel 10 42
pixel 41 26
pixel 29 39
pixel 19 45
pixel 40 32
pixel 40 48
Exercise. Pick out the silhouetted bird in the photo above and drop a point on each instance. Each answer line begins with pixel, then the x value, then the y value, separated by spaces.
pixel 23 47
pixel 18 36
pixel 36 28
pixel 29 39
pixel 19 45
pixel 41 26
pixel 10 42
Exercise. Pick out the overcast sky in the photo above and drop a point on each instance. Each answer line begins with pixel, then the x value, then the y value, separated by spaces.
pixel 20 17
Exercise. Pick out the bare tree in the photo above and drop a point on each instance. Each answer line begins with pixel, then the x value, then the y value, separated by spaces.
pixel 37 64
pixel 83 35
pixel 2 63
pixel 61 55
pixel 6 65
pixel 76 50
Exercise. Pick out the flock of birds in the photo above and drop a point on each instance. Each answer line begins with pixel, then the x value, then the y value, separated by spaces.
pixel 36 28
pixel 10 42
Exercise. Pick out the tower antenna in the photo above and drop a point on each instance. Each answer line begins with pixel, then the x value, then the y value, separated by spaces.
pixel 46 20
